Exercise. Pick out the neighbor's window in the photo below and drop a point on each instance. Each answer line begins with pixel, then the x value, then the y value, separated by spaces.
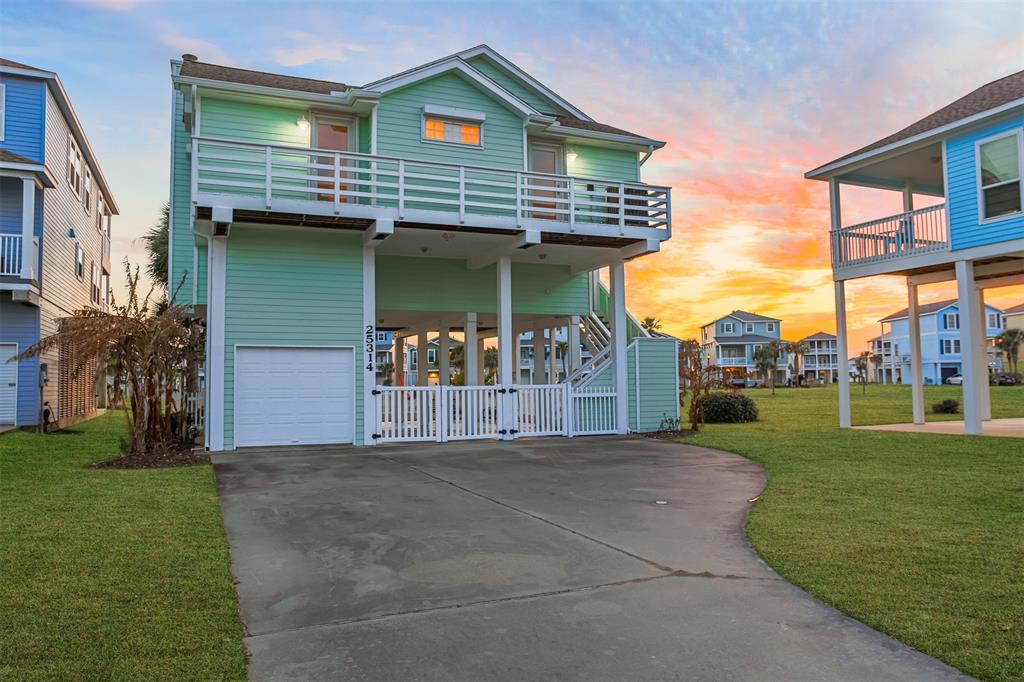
pixel 94 283
pixel 999 169
pixel 79 262
pixel 952 320
pixel 446 130
pixel 750 328
pixel 728 328
pixel 950 346
pixel 105 286
pixel 993 321
pixel 771 326
pixel 431 356
pixel 87 196
pixel 74 173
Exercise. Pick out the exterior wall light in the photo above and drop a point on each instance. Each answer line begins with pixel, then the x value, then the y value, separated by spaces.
pixel 571 156
pixel 303 123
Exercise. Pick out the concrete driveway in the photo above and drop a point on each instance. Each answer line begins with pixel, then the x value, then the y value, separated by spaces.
pixel 546 559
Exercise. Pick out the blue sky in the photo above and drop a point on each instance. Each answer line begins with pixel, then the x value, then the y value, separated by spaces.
pixel 749 95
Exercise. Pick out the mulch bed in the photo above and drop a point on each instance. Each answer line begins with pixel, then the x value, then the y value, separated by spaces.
pixel 670 435
pixel 177 455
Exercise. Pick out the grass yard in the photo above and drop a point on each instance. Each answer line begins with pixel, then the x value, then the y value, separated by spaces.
pixel 107 573
pixel 920 536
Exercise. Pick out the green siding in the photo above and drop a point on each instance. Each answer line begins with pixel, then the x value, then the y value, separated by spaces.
pixel 251 122
pixel 605 164
pixel 659 383
pixel 181 239
pixel 446 285
pixel 292 288
pixel 514 86
pixel 399 124
pixel 201 275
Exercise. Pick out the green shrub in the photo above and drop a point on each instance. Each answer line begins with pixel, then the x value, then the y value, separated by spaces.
pixel 729 408
pixel 947 406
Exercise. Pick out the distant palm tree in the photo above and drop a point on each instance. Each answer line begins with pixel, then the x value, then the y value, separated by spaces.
pixel 765 359
pixel 562 348
pixel 157 247
pixel 1010 342
pixel 797 349
pixel 651 324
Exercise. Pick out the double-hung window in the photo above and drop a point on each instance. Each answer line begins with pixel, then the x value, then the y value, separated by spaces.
pixel 74 170
pixel 94 283
pixel 728 328
pixel 454 126
pixel 750 328
pixel 951 346
pixel 771 326
pixel 87 194
pixel 999 176
pixel 994 322
pixel 952 320
pixel 79 262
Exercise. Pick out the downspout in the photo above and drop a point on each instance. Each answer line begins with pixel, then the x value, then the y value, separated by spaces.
pixel 650 151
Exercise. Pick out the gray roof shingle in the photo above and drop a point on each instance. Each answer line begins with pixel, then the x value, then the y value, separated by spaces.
pixel 11 157
pixel 231 74
pixel 820 336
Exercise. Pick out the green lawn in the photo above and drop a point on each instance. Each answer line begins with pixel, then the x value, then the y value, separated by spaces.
pixel 919 536
pixel 111 574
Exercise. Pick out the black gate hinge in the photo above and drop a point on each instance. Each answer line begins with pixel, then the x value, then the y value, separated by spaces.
pixel 513 390
pixel 375 436
pixel 503 432
pixel 513 431
pixel 375 392
pixel 502 390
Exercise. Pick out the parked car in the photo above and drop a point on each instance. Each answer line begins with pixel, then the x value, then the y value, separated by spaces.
pixel 1006 380
pixel 955 380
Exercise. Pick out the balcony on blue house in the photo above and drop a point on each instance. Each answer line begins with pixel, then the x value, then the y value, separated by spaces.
pixel 20 228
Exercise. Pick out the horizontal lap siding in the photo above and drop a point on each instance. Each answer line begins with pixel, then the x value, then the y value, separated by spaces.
pixel 291 288
pixel 528 95
pixel 182 240
pixel 10 205
pixel 248 122
pixel 399 124
pixel 440 284
pixel 966 230
pixel 604 164
pixel 659 383
pixel 24 106
pixel 19 323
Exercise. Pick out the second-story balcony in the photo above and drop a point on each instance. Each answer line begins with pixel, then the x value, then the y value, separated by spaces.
pixel 272 179
pixel 13 263
pixel 898 237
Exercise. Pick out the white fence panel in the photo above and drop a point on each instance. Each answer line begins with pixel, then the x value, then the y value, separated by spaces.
pixel 471 412
pixel 593 411
pixel 540 410
pixel 408 413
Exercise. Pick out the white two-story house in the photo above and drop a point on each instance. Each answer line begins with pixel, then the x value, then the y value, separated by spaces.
pixel 959 171
pixel 819 363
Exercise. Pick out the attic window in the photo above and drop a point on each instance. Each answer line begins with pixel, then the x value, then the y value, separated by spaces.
pixel 453 126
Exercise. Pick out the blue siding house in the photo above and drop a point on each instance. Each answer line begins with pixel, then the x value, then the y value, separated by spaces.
pixel 731 341
pixel 55 211
pixel 959 171
pixel 941 343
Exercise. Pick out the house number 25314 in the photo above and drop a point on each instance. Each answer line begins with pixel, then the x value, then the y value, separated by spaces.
pixel 369 347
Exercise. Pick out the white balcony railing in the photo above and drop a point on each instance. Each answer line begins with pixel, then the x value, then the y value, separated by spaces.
pixel 912 233
pixel 11 256
pixel 327 182
pixel 732 362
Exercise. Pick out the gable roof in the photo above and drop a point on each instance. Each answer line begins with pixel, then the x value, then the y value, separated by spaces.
pixel 1000 92
pixel 751 317
pixel 194 68
pixel 820 336
pixel 16 65
pixel 932 308
pixel 1015 310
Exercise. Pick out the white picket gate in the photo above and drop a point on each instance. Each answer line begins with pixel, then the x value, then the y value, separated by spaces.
pixel 444 413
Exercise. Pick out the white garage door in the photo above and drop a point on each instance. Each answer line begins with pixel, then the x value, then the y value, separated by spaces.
pixel 8 383
pixel 294 396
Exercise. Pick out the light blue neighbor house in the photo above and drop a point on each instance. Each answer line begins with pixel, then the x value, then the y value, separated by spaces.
pixel 731 341
pixel 959 171
pixel 55 211
pixel 460 199
pixel 940 342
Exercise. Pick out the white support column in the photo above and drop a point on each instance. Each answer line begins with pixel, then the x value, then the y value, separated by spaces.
pixel 916 368
pixel 216 261
pixel 481 353
pixel 369 350
pixel 984 393
pixel 470 351
pixel 422 344
pixel 443 356
pixel 575 359
pixel 28 223
pixel 968 304
pixel 842 348
pixel 399 363
pixel 908 196
pixel 538 356
pixel 506 342
pixel 552 362
pixel 618 292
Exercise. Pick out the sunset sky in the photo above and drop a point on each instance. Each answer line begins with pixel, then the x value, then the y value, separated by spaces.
pixel 749 96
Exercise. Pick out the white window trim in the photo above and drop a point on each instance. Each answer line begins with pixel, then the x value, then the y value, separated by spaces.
pixel 982 220
pixel 771 326
pixel 945 320
pixel 750 327
pixel 87 190
pixel 72 145
pixel 728 328
pixel 349 121
pixel 459 120
pixel 3 110
pixel 79 257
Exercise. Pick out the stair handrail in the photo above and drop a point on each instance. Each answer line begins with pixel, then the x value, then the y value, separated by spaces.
pixel 589 366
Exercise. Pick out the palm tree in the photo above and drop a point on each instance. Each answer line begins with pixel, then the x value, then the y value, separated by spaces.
pixel 765 359
pixel 562 347
pixel 797 349
pixel 1010 342
pixel 651 324
pixel 155 241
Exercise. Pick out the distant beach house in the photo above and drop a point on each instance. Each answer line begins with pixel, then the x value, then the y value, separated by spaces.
pixel 960 171
pixel 731 341
pixel 820 362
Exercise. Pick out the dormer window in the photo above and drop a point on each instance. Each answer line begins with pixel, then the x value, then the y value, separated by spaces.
pixel 453 126
pixel 999 176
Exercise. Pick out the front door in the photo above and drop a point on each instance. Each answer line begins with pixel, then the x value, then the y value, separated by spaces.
pixel 545 158
pixel 337 135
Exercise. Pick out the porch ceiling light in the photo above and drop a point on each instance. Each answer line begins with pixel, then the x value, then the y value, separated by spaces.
pixel 571 156
pixel 302 123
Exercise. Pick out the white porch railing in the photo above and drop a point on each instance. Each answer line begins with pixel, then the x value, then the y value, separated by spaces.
pixel 446 413
pixel 731 362
pixel 912 233
pixel 328 182
pixel 10 256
